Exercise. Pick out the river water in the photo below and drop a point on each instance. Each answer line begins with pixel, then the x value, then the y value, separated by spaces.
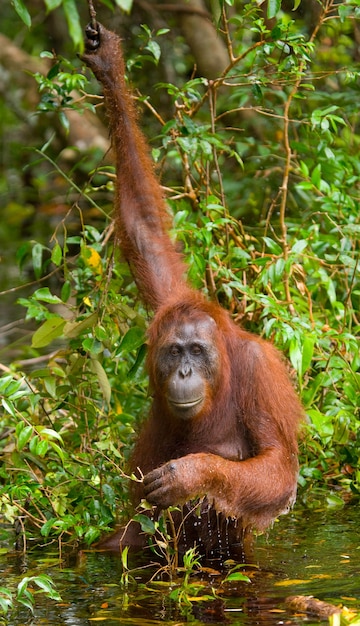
pixel 306 553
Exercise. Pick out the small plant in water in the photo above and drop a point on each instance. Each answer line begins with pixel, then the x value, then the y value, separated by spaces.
pixel 25 594
pixel 188 591
pixel 163 538
pixel 235 574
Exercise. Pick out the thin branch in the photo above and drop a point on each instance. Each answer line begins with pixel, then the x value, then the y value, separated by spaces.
pixel 92 14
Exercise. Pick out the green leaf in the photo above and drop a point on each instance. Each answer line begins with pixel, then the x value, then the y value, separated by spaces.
pixel 41 447
pixel 24 596
pixel 133 339
pixel 24 436
pixel 276 270
pixel 23 584
pixel 45 583
pixel 44 295
pixel 22 12
pixel 295 354
pixel 238 576
pixel 65 291
pixel 50 330
pixel 272 245
pixel 299 246
pixel 147 525
pixel 91 535
pixel 341 430
pixel 140 357
pixel 102 378
pixel 37 257
pixel 50 433
pixel 73 22
pixel 53 71
pixel 9 407
pixel 124 5
pixel 59 451
pixel 56 254
pixel 154 48
pixel 26 599
pixel 46 528
pixel 257 91
pixel 74 329
pixel 33 444
pixel 52 4
pixel 6 601
pixel 316 176
pixel 322 423
pixel 64 120
pixel 335 501
pixel 307 353
pixel 124 557
pixel 50 385
pixel 344 12
pixel 93 346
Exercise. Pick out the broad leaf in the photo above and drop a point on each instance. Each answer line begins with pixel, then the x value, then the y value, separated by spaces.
pixel 22 12
pixel 50 330
pixel 273 7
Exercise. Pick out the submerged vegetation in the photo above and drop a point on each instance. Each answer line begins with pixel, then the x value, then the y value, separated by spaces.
pixel 261 170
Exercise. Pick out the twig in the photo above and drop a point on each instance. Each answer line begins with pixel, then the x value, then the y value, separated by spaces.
pixel 92 14
pixel 234 60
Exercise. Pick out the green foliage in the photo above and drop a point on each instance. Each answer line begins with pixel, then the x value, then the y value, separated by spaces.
pixel 188 590
pixel 25 594
pixel 58 86
pixel 264 175
pixel 72 418
pixel 149 49
pixel 71 14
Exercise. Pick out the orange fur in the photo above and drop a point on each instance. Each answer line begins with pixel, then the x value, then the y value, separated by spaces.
pixel 240 450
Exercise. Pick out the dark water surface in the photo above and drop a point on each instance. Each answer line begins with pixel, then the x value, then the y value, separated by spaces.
pixel 306 553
